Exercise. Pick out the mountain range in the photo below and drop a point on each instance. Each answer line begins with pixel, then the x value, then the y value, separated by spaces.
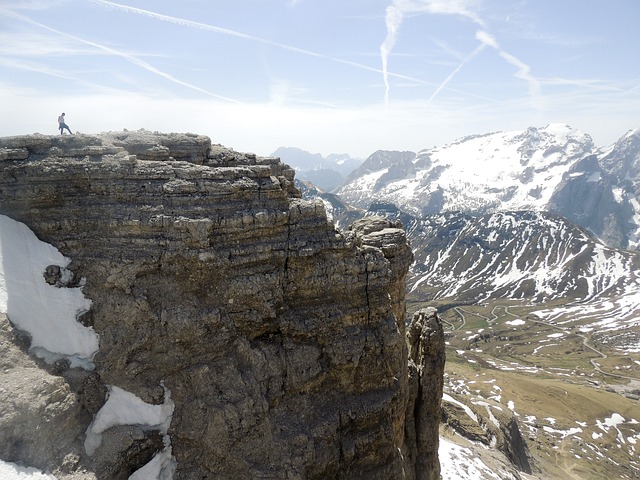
pixel 327 172
pixel 527 243
pixel 541 216
pixel 555 168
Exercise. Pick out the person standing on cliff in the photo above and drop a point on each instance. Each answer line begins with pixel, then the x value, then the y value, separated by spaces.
pixel 62 125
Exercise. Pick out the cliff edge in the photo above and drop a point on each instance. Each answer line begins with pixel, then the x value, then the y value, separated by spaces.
pixel 269 344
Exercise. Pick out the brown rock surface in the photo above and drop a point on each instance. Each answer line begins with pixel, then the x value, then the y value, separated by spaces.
pixel 281 340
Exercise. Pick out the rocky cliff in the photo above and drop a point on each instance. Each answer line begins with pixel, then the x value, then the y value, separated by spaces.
pixel 279 342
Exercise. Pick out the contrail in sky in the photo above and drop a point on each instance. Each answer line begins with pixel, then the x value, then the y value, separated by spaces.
pixel 130 58
pixel 444 6
pixel 393 19
pixel 395 14
pixel 523 70
pixel 212 28
pixel 399 8
pixel 475 52
pixel 203 26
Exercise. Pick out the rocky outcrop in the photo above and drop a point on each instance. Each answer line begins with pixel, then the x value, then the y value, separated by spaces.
pixel 38 409
pixel 425 338
pixel 280 339
pixel 587 196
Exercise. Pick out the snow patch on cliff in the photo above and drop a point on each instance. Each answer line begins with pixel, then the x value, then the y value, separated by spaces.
pixel 48 313
pixel 11 471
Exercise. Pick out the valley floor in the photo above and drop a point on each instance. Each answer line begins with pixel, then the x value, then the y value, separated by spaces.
pixel 572 387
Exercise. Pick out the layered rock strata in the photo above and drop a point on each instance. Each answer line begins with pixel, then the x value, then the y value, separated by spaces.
pixel 280 339
pixel 425 338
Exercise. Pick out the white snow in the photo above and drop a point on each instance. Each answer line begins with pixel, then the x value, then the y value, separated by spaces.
pixel 492 417
pixel 460 463
pixel 612 422
pixel 448 398
pixel 125 408
pixel 515 323
pixel 48 313
pixel 563 433
pixel 618 194
pixel 161 467
pixel 11 471
pixel 594 177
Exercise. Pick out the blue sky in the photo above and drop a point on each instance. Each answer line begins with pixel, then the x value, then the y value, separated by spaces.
pixel 328 76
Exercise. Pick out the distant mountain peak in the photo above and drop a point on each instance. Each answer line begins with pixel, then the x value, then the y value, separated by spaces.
pixel 513 170
pixel 553 168
pixel 325 172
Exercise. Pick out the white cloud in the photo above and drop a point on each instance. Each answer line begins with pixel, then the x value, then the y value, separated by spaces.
pixel 39 45
pixel 359 130
pixel 487 39
pixel 225 31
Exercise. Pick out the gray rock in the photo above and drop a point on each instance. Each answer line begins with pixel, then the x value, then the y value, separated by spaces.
pixel 425 337
pixel 41 418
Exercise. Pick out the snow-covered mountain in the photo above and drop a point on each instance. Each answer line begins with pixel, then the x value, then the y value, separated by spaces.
pixel 600 192
pixel 527 257
pixel 555 168
pixel 325 172
pixel 481 173
pixel 515 255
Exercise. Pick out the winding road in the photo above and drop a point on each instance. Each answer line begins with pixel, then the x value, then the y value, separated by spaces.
pixel 585 339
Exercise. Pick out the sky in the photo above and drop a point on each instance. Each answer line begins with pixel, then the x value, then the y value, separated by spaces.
pixel 327 76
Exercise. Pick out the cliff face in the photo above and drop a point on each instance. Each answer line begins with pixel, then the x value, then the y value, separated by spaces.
pixel 280 341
